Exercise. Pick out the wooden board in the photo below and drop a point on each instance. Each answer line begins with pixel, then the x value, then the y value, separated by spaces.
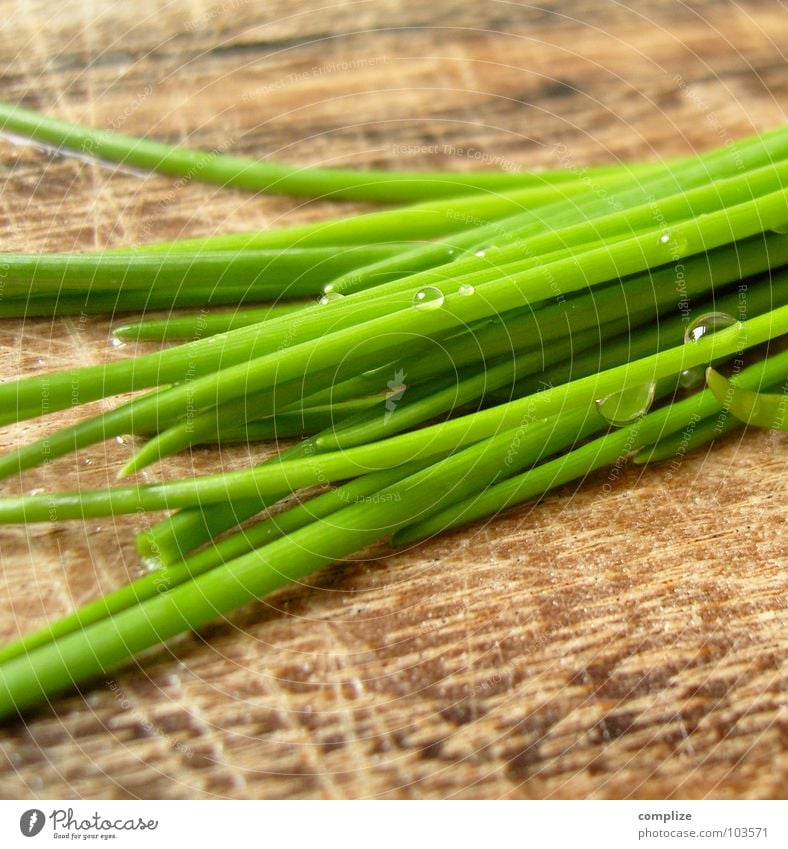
pixel 613 641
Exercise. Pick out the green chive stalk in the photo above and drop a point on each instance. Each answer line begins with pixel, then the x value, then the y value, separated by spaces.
pixel 262 176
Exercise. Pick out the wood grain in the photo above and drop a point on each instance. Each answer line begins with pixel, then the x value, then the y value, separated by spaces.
pixel 610 642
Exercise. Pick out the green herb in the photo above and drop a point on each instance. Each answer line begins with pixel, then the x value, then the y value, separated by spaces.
pixel 216 167
pixel 504 335
pixel 755 408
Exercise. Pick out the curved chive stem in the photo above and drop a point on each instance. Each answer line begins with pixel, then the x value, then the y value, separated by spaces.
pixel 263 176
pixel 208 424
pixel 696 435
pixel 582 461
pixel 760 409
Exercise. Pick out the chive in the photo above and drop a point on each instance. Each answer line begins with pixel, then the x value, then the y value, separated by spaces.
pixel 82 653
pixel 201 324
pixel 255 175
pixel 164 579
pixel 622 192
pixel 582 461
pixel 586 268
pixel 696 435
pixel 760 409
pixel 711 230
pixel 95 303
pixel 554 292
pixel 432 442
pixel 297 272
pixel 757 300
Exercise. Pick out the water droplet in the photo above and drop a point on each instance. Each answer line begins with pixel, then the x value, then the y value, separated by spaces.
pixel 674 243
pixel 428 298
pixel 480 253
pixel 466 289
pixel 116 342
pixel 120 440
pixel 331 297
pixel 623 408
pixel 710 322
pixel 691 378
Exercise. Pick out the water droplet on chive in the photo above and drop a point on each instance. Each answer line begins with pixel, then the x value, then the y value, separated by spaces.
pixel 116 342
pixel 709 322
pixel 428 298
pixel 330 297
pixel 674 243
pixel 623 408
pixel 481 253
pixel 466 289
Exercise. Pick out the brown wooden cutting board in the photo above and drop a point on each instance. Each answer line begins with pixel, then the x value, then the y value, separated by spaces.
pixel 613 641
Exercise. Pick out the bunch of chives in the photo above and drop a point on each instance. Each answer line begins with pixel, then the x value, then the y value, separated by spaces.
pixel 501 335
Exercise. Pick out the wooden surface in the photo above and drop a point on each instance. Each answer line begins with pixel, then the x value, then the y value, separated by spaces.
pixel 610 642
